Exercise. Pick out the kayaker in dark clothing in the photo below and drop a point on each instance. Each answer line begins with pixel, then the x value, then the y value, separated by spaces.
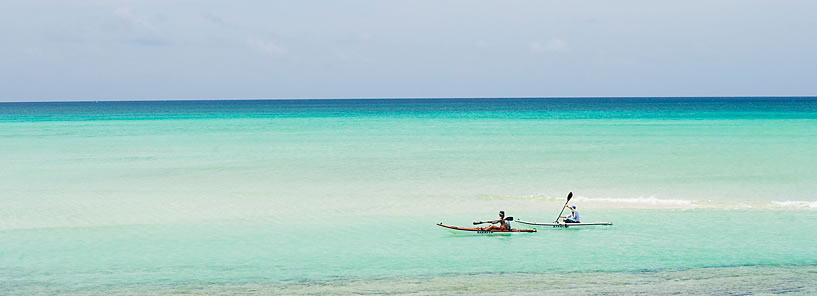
pixel 503 225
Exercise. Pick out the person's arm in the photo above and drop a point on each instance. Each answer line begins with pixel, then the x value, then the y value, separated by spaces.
pixel 491 221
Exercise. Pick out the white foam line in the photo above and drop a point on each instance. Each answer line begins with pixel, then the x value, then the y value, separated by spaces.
pixel 653 202
pixel 796 204
pixel 638 200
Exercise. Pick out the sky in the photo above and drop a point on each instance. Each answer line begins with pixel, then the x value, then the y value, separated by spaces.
pixel 179 49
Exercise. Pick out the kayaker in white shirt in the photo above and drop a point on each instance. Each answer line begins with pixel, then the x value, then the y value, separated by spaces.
pixel 573 217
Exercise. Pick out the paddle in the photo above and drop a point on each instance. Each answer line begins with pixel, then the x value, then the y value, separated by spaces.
pixel 569 196
pixel 506 219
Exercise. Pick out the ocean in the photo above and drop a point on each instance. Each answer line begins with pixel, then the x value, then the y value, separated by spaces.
pixel 706 196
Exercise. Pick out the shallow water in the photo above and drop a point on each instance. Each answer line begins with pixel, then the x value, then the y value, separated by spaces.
pixel 302 197
pixel 740 280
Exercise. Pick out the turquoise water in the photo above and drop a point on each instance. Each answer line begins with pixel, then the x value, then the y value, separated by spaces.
pixel 304 197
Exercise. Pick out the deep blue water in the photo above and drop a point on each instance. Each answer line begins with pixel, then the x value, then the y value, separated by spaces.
pixel 522 108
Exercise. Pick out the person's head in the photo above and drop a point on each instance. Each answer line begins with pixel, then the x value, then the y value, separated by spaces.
pixel 573 207
pixel 501 214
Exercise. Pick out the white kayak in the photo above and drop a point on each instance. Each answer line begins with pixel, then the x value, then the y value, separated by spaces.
pixel 558 224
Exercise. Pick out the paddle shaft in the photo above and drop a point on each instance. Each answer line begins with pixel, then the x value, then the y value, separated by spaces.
pixel 506 219
pixel 569 196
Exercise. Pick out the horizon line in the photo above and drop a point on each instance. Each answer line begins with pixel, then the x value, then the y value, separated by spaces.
pixel 387 98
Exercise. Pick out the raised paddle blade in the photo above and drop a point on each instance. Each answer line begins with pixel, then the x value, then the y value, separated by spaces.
pixel 569 196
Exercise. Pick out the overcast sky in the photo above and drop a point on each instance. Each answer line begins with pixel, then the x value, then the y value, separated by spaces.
pixel 177 49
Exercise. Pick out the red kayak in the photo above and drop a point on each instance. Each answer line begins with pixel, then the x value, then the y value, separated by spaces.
pixel 482 229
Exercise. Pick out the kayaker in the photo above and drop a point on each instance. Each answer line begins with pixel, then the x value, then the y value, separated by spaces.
pixel 503 225
pixel 573 217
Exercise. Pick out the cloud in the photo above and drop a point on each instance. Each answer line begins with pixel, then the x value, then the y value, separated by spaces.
pixel 125 14
pixel 482 43
pixel 140 31
pixel 554 45
pixel 148 42
pixel 267 47
pixel 216 20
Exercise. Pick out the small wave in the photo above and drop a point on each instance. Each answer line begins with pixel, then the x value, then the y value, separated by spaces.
pixel 638 200
pixel 796 204
pixel 632 202
pixel 658 203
